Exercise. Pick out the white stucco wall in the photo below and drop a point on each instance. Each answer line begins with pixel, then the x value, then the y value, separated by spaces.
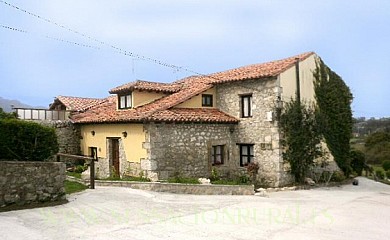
pixel 287 81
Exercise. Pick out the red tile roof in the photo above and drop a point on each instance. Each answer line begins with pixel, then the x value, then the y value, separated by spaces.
pixel 192 115
pixel 78 104
pixel 106 112
pixel 255 71
pixel 146 86
pixel 182 90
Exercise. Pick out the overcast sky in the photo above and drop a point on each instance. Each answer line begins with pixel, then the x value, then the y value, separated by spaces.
pixel 351 36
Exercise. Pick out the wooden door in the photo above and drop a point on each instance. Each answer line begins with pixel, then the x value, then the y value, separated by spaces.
pixel 115 156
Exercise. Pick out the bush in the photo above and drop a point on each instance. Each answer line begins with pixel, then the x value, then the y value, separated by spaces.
pixel 136 179
pixel 244 179
pixel 388 173
pixel 377 137
pixel 358 161
pixel 380 174
pixel 26 141
pixel 80 169
pixel 237 180
pixel 4 115
pixel 214 175
pixel 386 165
pixel 337 177
pixel 229 182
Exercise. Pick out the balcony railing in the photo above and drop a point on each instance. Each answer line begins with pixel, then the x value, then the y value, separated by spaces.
pixel 41 114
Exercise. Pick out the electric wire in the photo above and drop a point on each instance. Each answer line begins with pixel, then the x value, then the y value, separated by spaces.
pixel 117 49
pixel 49 37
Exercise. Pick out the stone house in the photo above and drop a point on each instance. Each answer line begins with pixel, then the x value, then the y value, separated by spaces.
pixel 224 120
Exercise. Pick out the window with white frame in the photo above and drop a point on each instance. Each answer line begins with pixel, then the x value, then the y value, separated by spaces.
pixel 246 154
pixel 124 101
pixel 246 106
pixel 217 155
pixel 207 100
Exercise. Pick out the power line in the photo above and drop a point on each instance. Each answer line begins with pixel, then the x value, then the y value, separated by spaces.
pixel 117 49
pixel 49 37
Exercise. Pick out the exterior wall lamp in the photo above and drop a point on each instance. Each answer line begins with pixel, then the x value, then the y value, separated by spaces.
pixel 93 133
pixel 124 134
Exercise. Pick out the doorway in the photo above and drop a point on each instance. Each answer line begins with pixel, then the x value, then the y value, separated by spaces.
pixel 114 153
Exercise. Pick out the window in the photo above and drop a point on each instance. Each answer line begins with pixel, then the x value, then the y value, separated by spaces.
pixel 217 155
pixel 207 100
pixel 124 101
pixel 246 154
pixel 246 106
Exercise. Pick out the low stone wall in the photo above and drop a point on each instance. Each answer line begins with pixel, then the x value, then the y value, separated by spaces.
pixel 198 189
pixel 23 183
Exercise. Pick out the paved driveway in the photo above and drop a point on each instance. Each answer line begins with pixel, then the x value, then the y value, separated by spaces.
pixel 348 212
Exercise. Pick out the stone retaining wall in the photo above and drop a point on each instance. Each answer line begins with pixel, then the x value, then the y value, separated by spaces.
pixel 23 183
pixel 198 189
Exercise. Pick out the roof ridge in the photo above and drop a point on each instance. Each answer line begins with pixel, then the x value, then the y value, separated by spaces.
pixel 147 86
pixel 234 73
pixel 79 97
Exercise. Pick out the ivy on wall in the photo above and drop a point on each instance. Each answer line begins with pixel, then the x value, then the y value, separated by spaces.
pixel 301 140
pixel 335 115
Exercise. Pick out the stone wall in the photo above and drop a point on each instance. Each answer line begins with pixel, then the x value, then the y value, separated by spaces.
pixel 259 129
pixel 198 189
pixel 184 149
pixel 68 137
pixel 29 182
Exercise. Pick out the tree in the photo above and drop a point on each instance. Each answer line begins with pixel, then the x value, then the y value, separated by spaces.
pixel 335 115
pixel 4 115
pixel 301 138
pixel 377 138
pixel 378 147
pixel 358 161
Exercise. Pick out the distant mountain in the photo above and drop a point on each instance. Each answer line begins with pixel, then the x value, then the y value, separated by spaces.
pixel 6 104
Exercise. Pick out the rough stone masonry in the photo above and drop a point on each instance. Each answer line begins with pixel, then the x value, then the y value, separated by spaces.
pixel 23 183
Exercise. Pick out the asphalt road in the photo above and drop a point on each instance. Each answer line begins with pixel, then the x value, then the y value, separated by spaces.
pixel 348 212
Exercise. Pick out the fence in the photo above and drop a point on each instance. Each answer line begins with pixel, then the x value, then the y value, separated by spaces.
pixel 92 159
pixel 41 114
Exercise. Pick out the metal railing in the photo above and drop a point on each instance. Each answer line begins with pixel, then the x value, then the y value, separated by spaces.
pixel 41 114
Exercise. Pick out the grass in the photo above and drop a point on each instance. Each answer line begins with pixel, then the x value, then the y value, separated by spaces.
pixel 377 167
pixel 73 187
pixel 183 180
pixel 229 182
pixel 74 174
pixel 127 178
pixel 135 179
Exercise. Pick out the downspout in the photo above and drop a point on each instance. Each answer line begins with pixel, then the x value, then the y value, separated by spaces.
pixel 297 80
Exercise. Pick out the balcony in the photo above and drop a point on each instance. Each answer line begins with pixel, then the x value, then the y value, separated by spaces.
pixel 41 114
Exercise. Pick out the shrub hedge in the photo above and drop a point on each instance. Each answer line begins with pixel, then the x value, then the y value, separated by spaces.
pixel 358 161
pixel 26 141
pixel 386 165
pixel 380 174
